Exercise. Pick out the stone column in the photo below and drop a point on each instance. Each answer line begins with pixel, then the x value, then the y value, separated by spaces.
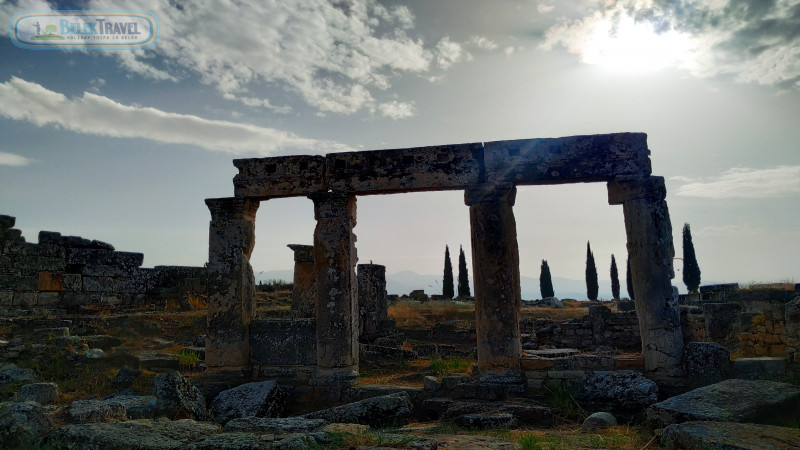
pixel 651 252
pixel 495 262
pixel 304 285
pixel 231 288
pixel 336 305
pixel 371 297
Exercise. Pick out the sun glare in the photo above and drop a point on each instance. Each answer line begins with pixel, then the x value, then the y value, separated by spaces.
pixel 633 47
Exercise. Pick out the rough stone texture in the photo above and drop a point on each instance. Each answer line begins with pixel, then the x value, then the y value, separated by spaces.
pixel 650 249
pixel 495 262
pixel 178 397
pixel 96 411
pixel 405 170
pixel 258 399
pixel 624 392
pixel 158 361
pixel 231 288
pixel 42 393
pixel 728 436
pixel 304 292
pixel 234 441
pixel 524 413
pixel 7 222
pixel 10 373
pixel 496 420
pixel 282 176
pixel 764 368
pixel 274 425
pixel 335 260
pixel 372 304
pixel 283 342
pixel 386 410
pixel 23 425
pixel 598 421
pixel 137 406
pixel 765 402
pixel 707 362
pixel 131 435
pixel 125 377
pixel 567 159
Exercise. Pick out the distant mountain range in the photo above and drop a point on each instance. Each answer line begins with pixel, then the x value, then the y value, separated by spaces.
pixel 406 281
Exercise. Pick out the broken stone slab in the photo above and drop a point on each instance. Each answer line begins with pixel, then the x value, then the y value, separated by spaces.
pixel 10 373
pixel 23 425
pixel 93 353
pixel 385 410
pixel 707 362
pixel 760 368
pixel 48 334
pixel 729 435
pixel 487 420
pixel 553 352
pixel 237 440
pixel 525 413
pixel 103 342
pixel 764 402
pixel 598 421
pixel 258 399
pixel 137 406
pixel 42 393
pixel 7 222
pixel 177 396
pixel 96 411
pixel 131 435
pixel 624 392
pixel 274 425
pixel 158 361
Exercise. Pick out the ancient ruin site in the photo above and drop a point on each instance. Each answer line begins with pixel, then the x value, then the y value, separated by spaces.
pixel 99 352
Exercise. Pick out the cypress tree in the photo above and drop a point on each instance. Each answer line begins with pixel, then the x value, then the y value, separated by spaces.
pixel 591 275
pixel 628 278
pixel 614 279
pixel 545 281
pixel 447 282
pixel 691 271
pixel 463 275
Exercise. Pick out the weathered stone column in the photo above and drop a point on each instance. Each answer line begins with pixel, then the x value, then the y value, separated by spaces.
pixel 650 250
pixel 304 296
pixel 336 306
pixel 495 262
pixel 231 288
pixel 371 297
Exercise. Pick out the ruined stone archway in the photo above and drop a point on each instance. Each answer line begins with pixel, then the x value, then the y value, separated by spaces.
pixel 488 173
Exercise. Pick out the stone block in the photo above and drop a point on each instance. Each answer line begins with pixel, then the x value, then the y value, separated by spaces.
pixel 283 176
pixel 99 284
pixel 50 282
pixel 764 368
pixel 42 393
pixel 25 299
pixel 433 168
pixel 48 299
pixel 537 364
pixel 102 270
pixel 104 257
pixel 11 234
pixel 72 281
pixel 567 159
pixel 7 221
pixel 158 361
pixel 707 362
pixel 283 342
pixel 6 298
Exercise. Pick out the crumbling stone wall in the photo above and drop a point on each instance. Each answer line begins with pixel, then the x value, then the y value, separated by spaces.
pixel 600 328
pixel 73 273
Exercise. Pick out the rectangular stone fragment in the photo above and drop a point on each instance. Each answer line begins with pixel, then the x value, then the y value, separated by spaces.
pixel 283 176
pixel 99 284
pixel 7 221
pixel 283 342
pixel 104 257
pixel 51 282
pixel 567 159
pixel 48 299
pixel 6 298
pixel 444 167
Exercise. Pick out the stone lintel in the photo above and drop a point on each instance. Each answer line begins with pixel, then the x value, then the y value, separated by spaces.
pixel 490 192
pixel 282 176
pixel 600 157
pixel 232 208
pixel 623 189
pixel 302 253
pixel 444 167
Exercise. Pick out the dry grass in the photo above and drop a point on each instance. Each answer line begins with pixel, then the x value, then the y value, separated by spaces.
pixel 409 313
pixel 619 437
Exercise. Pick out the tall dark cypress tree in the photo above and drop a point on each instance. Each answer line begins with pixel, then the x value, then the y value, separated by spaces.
pixel 629 279
pixel 614 279
pixel 463 275
pixel 591 275
pixel 545 281
pixel 691 271
pixel 447 282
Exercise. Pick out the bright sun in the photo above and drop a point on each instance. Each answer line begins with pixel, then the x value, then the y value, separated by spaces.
pixel 633 47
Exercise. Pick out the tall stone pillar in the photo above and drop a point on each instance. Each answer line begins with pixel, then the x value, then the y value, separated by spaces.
pixel 371 297
pixel 303 287
pixel 336 306
pixel 651 252
pixel 231 285
pixel 495 262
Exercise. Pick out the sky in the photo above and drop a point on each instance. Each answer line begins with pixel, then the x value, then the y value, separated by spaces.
pixel 124 145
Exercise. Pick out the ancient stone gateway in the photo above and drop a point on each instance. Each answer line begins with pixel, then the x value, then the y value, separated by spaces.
pixel 488 173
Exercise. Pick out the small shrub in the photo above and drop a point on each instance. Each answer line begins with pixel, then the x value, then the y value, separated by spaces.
pixel 560 395
pixel 188 358
pixel 443 367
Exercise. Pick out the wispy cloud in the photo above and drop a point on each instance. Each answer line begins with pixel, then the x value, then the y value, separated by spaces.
pixel 746 183
pixel 101 116
pixel 397 110
pixel 756 41
pixel 483 42
pixel 10 159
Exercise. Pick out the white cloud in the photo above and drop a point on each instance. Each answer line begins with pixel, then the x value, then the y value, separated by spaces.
pixel 747 183
pixel 753 40
pixel 449 52
pixel 483 42
pixel 101 116
pixel 544 8
pixel 10 159
pixel 397 110
pixel 509 51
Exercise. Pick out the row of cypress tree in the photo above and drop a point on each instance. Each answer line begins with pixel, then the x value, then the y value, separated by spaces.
pixel 448 290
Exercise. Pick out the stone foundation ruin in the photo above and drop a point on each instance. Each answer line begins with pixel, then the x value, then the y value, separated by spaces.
pixel 488 173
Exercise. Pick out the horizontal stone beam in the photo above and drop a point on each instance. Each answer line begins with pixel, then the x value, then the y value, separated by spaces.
pixel 570 159
pixel 283 176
